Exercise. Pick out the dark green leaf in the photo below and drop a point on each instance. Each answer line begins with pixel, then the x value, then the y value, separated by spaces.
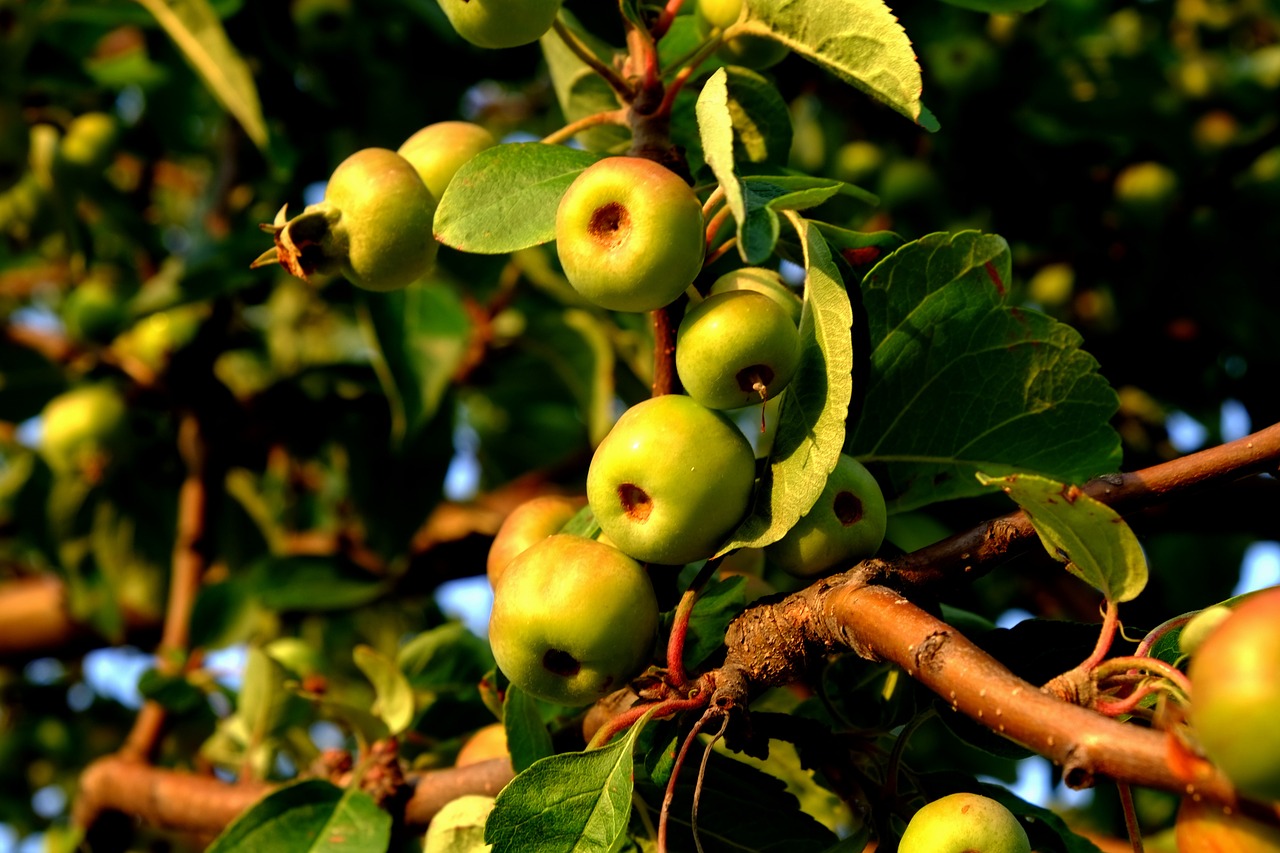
pixel 998 7
pixel 1012 386
pixel 421 334
pixel 309 817
pixel 1089 536
pixel 811 425
pixel 579 89
pixel 577 802
pixel 859 41
pixel 761 121
pixel 527 737
pixel 718 604
pixel 313 583
pixel 172 691
pixel 505 198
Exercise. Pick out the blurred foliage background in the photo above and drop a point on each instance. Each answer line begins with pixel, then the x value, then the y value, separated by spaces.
pixel 1129 152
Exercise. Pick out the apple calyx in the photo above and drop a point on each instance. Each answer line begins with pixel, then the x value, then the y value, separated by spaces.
pixel 635 502
pixel 561 663
pixel 309 243
pixel 848 508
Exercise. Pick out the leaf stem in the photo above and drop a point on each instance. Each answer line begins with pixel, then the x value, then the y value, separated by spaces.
pixel 580 49
pixel 1119 665
pixel 1110 622
pixel 615 117
pixel 663 24
pixel 676 675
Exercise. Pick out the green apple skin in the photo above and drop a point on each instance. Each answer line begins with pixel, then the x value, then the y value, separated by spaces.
pixel 501 23
pixel 94 311
pixel 735 349
pixel 383 220
pixel 629 234
pixel 573 620
pixel 83 429
pixel 747 51
pixel 1196 631
pixel 964 823
pixel 1235 696
pixel 846 524
pixel 671 480
pixel 761 280
pixel 532 521
pixel 439 150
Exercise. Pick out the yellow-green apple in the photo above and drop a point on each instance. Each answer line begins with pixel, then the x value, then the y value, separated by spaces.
pixel 846 524
pixel 736 348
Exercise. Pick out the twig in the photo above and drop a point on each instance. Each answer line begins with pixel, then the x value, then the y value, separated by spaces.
pixel 624 90
pixel 615 117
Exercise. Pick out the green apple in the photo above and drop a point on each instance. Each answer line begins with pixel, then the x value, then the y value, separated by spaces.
pixel 847 524
pixel 532 521
pixel 83 430
pixel 459 826
pixel 501 23
pixel 573 620
pixel 439 150
pixel 1235 696
pixel 486 743
pixel 671 480
pixel 94 310
pixel 761 280
pixel 373 226
pixel 629 234
pixel 1198 629
pixel 748 51
pixel 964 823
pixel 737 348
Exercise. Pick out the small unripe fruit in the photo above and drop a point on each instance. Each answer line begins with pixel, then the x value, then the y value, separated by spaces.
pixel 573 620
pixel 532 521
pixel 487 743
pixel 964 823
pixel 1235 696
pixel 629 234
pixel 671 480
pixel 1196 631
pixel 501 23
pixel 83 430
pixel 761 280
pixel 439 150
pixel 749 51
pixel 735 349
pixel 459 825
pixel 847 524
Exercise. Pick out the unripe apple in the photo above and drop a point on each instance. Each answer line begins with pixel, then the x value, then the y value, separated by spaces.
pixel 749 51
pixel 501 23
pixel 459 825
pixel 487 743
pixel 1203 827
pixel 846 524
pixel 373 226
pixel 83 430
pixel 532 521
pixel 94 311
pixel 1198 629
pixel 629 234
pixel 573 620
pixel 735 349
pixel 671 480
pixel 761 280
pixel 439 150
pixel 1235 696
pixel 964 823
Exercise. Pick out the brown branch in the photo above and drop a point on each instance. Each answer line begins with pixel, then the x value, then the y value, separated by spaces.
pixel 665 323
pixel 775 644
pixel 970 553
pixel 35 621
pixel 191 804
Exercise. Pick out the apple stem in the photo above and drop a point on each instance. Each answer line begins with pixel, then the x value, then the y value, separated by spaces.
pixel 1110 622
pixel 1121 665
pixel 682 76
pixel 676 675
pixel 1130 816
pixel 713 228
pixel 660 709
pixel 665 378
pixel 669 12
pixel 712 257
pixel 665 814
pixel 580 49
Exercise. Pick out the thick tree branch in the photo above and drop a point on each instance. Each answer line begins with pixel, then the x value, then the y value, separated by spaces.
pixel 190 804
pixel 35 621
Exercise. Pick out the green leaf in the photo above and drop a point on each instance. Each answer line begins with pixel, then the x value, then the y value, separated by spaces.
pixel 1011 386
pixel 527 737
pixel 739 808
pixel 196 30
pixel 720 601
pixel 1045 829
pixel 715 128
pixel 860 249
pixel 174 692
pixel 579 89
pixel 997 7
pixel 263 700
pixel 309 817
pixel 575 802
pixel 394 705
pixel 421 336
pixel 765 196
pixel 859 41
pixel 760 118
pixel 444 656
pixel 505 198
pixel 811 426
pixel 313 584
pixel 1086 534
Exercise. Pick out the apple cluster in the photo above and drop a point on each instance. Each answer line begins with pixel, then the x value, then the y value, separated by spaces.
pixel 374 225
